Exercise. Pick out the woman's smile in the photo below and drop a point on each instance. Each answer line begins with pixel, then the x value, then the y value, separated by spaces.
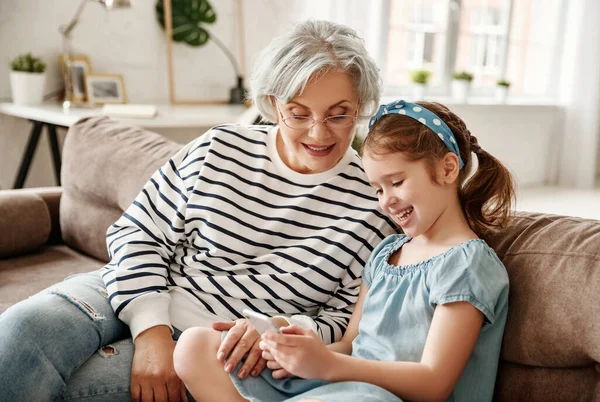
pixel 318 151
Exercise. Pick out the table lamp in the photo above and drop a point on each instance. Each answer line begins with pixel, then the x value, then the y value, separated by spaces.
pixel 65 31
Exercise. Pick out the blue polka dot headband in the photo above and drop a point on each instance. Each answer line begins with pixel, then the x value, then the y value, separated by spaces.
pixel 425 117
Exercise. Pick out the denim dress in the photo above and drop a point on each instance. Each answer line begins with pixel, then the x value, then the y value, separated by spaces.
pixel 397 313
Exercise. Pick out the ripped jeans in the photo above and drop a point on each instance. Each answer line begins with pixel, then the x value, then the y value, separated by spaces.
pixel 65 343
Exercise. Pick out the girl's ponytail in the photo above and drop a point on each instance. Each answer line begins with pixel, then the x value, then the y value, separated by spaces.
pixel 488 195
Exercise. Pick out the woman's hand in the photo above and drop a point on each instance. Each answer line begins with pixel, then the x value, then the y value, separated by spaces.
pixel 300 352
pixel 242 338
pixel 153 376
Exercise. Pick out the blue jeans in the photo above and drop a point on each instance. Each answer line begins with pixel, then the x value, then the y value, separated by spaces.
pixel 66 344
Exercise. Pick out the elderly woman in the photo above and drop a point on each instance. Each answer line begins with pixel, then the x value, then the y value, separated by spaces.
pixel 276 219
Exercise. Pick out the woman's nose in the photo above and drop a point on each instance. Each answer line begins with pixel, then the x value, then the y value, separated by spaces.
pixel 319 131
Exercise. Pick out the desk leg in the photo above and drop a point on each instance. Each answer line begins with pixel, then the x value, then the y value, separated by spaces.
pixel 55 151
pixel 28 155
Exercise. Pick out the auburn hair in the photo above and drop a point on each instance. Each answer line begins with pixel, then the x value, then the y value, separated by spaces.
pixel 486 191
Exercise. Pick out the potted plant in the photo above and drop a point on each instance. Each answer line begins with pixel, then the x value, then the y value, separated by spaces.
pixel 419 79
pixel 502 90
pixel 189 17
pixel 461 85
pixel 27 79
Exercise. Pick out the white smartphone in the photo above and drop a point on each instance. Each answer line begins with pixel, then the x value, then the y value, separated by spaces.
pixel 261 322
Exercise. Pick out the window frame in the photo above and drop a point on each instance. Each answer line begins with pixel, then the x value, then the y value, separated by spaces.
pixel 444 68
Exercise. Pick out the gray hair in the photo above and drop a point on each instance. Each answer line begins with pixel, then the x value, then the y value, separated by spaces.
pixel 284 67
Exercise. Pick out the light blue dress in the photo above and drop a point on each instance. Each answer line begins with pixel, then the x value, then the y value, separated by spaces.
pixel 397 314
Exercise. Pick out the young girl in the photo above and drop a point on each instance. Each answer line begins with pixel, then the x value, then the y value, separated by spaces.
pixel 431 312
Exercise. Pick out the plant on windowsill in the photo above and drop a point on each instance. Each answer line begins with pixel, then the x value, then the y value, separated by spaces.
pixel 27 79
pixel 502 90
pixel 461 85
pixel 420 79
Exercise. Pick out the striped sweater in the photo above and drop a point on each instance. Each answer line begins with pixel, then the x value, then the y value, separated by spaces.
pixel 225 225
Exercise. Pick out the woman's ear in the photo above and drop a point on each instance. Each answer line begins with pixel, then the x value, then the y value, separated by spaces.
pixel 449 168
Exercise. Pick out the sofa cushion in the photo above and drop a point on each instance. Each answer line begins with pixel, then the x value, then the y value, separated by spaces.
pixel 106 164
pixel 553 263
pixel 25 222
pixel 23 276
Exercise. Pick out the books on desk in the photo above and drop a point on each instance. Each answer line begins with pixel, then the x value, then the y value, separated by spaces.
pixel 130 110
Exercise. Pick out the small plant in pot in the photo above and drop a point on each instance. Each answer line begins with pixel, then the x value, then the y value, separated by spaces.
pixel 502 90
pixel 461 85
pixel 420 79
pixel 27 79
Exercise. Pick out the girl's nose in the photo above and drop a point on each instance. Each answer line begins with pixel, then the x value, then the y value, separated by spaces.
pixel 388 201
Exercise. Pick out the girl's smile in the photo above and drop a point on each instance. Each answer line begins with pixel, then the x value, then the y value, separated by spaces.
pixel 403 217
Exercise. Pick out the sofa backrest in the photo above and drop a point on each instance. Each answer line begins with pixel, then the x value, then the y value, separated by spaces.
pixel 105 165
pixel 551 346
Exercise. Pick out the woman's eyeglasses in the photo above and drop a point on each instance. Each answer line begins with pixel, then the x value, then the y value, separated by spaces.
pixel 305 123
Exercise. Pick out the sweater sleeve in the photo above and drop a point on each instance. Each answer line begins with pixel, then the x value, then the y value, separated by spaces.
pixel 333 318
pixel 142 242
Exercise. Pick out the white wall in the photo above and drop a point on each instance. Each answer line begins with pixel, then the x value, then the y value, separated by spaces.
pixel 128 42
pixel 525 139
pixel 131 43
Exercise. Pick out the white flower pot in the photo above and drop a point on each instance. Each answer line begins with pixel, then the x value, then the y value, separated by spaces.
pixel 501 93
pixel 27 88
pixel 460 90
pixel 418 91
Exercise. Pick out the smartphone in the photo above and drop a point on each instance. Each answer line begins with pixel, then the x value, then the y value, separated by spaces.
pixel 261 322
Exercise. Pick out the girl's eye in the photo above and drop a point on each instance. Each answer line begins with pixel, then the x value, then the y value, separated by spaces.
pixel 397 183
pixel 378 191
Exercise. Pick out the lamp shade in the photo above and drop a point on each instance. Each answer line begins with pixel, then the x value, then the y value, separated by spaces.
pixel 111 4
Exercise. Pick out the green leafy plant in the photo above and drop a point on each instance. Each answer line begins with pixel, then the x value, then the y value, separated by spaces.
pixel 357 143
pixel 503 83
pixel 188 17
pixel 420 76
pixel 463 75
pixel 28 64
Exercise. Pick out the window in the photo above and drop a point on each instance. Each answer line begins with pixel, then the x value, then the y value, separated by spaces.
pixel 491 39
pixel 416 39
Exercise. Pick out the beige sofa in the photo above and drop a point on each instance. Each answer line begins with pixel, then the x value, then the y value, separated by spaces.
pixel 551 345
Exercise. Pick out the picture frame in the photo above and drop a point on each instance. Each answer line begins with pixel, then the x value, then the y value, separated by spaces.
pixel 105 88
pixel 80 69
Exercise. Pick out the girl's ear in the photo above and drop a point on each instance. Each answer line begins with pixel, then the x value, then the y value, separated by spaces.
pixel 449 168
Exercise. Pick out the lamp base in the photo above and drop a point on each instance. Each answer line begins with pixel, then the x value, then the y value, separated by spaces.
pixel 237 94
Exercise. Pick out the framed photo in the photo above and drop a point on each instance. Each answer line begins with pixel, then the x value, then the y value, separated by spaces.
pixel 80 68
pixel 105 88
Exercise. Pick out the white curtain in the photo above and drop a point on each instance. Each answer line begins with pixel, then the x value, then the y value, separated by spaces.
pixel 368 18
pixel 580 94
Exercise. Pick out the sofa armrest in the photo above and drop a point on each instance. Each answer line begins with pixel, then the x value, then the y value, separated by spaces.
pixel 52 197
pixel 28 219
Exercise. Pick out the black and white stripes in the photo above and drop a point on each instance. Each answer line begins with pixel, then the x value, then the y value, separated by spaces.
pixel 225 224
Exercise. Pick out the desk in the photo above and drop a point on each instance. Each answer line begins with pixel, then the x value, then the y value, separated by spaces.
pixel 52 116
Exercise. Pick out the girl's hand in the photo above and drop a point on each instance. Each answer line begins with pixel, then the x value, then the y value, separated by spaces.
pixel 278 371
pixel 300 352
pixel 242 338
